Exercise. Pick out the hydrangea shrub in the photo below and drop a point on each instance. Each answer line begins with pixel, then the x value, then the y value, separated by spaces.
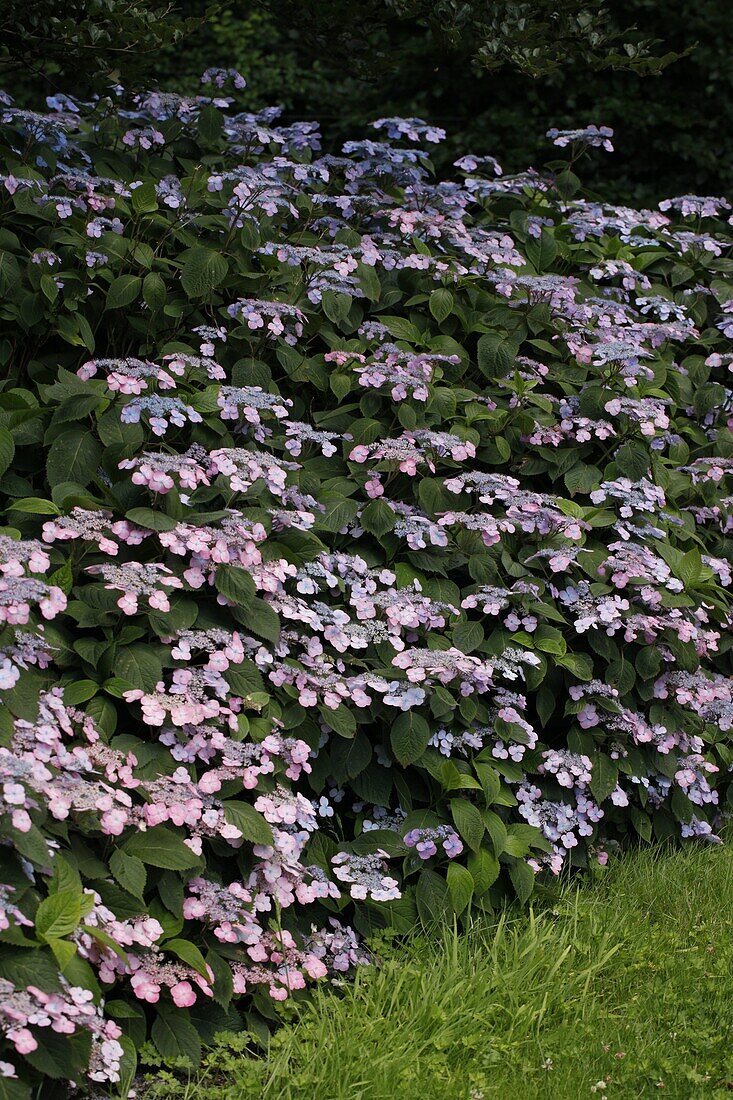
pixel 366 553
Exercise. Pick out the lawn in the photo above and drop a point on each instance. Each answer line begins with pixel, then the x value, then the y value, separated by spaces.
pixel 618 987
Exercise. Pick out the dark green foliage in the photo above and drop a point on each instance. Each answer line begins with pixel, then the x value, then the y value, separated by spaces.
pixel 80 39
pixel 344 64
pixel 674 131
pixel 623 983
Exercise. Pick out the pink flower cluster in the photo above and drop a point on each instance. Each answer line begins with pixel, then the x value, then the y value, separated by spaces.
pixel 24 1013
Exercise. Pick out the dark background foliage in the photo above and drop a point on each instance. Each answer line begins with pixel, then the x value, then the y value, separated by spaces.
pixel 467 67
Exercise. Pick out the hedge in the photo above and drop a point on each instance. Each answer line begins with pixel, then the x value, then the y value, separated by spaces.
pixel 366 555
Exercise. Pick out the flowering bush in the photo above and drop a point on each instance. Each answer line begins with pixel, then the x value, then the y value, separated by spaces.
pixel 366 554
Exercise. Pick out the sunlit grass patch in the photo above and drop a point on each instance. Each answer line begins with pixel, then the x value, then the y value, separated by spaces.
pixel 619 988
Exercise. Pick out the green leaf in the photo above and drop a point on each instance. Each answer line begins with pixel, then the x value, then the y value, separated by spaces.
pixel 63 951
pixel 568 184
pixel 175 1037
pixel 407 416
pixel 235 585
pixel 104 939
pixel 336 306
pixel 63 578
pixel 496 829
pixel 641 823
pixel 68 495
pixel 604 777
pixel 129 871
pixel 223 982
pixel 490 782
pixel 460 887
pixel 529 835
pixel 116 687
pixel 632 460
pixel 161 847
pixel 516 843
pixel 648 662
pixel 579 664
pixel 431 895
pixel 378 518
pixel 450 778
pixel 409 737
pixel 189 953
pixel 81 691
pixel 182 616
pixel 245 679
pixel 203 269
pixel 339 513
pixel 402 329
pixel 139 665
pixel 350 756
pixel 65 877
pixel 153 521
pixel 622 675
pixel 24 967
pixel 468 821
pixel 77 407
pixel 32 846
pixel 128 1064
pixel 10 276
pixel 340 385
pixel 582 478
pixel 369 282
pixel 681 806
pixel 522 877
pixel 341 720
pixel 49 287
pixel 545 701
pixel 61 1055
pixel 440 304
pixel 433 497
pixel 73 456
pixel 549 640
pixel 7 450
pixel 144 198
pixel 541 253
pixel 374 784
pixel 468 636
pixel 375 839
pixel 495 355
pixel 59 914
pixel 484 868
pixel 154 292
pixel 689 569
pixel 210 123
pixel 34 506
pixel 123 291
pixel 262 620
pixel 250 823
pixel 11 1088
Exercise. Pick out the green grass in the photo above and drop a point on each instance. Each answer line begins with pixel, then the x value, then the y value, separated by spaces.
pixel 621 988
